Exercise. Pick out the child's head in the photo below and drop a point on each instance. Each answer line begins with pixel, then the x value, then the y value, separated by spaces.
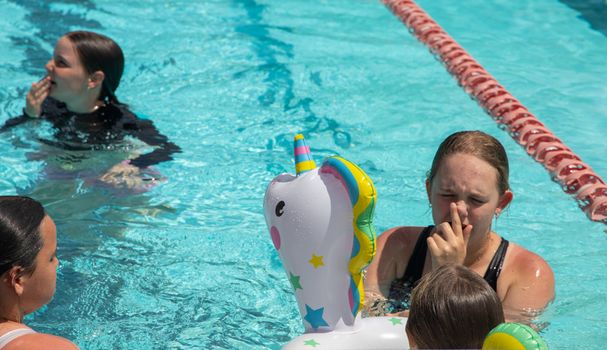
pixel 99 53
pixel 85 66
pixel 452 308
pixel 28 261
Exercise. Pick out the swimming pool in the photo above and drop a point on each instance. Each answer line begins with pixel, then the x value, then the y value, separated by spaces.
pixel 190 264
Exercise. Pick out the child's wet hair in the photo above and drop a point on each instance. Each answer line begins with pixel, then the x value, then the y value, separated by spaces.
pixel 97 52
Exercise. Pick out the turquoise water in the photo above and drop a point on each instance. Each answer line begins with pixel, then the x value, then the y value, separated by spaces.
pixel 190 264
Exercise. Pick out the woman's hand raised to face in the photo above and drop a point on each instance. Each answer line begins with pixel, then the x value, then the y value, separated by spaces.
pixel 37 94
pixel 449 241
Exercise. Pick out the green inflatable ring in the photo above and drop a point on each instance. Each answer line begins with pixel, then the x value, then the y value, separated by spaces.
pixel 514 336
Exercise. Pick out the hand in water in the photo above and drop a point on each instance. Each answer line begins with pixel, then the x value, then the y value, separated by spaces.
pixel 375 305
pixel 37 94
pixel 449 242
pixel 123 175
pixel 404 313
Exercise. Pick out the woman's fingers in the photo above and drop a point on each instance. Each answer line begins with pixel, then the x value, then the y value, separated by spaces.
pixel 432 246
pixel 449 242
pixel 445 230
pixel 437 244
pixel 37 94
pixel 41 86
pixel 456 222
pixel 458 230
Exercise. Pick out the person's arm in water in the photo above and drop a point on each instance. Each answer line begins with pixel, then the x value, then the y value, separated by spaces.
pixel 33 104
pixel 144 130
pixel 394 247
pixel 529 286
pixel 147 132
pixel 384 267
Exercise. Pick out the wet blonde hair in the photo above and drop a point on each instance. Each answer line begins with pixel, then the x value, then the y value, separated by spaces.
pixel 478 144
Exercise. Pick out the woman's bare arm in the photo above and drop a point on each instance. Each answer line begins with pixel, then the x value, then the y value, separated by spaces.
pixel 530 286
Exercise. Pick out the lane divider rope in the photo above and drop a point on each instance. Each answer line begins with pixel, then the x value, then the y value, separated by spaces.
pixel 565 167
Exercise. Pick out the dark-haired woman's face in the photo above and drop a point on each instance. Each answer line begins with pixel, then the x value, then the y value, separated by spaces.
pixel 39 287
pixel 69 79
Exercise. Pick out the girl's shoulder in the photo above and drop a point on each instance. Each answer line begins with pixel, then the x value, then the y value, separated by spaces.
pixel 399 240
pixel 402 234
pixel 524 267
pixel 40 341
pixel 523 260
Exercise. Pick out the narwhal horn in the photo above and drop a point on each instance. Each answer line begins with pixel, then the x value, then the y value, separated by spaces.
pixel 303 158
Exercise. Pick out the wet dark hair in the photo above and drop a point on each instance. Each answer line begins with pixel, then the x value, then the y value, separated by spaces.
pixel 20 239
pixel 452 307
pixel 478 144
pixel 99 53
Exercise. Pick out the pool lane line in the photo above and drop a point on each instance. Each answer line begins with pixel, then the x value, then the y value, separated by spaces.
pixel 565 167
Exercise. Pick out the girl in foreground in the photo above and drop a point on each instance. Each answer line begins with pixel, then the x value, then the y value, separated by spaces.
pixel 452 308
pixel 28 272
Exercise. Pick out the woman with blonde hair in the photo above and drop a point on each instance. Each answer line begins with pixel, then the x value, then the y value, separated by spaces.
pixel 467 187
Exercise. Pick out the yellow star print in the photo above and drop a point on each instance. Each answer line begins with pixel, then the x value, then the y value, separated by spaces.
pixel 316 261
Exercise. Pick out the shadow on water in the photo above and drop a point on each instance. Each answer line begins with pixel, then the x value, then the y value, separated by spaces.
pixel 592 11
pixel 279 80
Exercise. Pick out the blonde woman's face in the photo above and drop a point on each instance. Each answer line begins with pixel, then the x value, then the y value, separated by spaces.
pixel 470 183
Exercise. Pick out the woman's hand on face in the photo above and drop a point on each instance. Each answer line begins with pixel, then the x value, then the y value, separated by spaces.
pixel 449 241
pixel 37 94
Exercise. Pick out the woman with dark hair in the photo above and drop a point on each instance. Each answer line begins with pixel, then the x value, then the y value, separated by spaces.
pixel 78 96
pixel 467 188
pixel 452 308
pixel 28 272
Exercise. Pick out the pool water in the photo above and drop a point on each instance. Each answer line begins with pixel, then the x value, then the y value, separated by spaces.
pixel 190 264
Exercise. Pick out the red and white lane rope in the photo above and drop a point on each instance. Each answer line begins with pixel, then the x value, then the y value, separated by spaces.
pixel 566 168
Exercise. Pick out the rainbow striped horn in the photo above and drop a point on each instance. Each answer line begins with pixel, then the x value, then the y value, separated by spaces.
pixel 303 158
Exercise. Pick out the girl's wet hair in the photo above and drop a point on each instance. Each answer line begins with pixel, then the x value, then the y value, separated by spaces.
pixel 20 239
pixel 478 144
pixel 99 53
pixel 452 307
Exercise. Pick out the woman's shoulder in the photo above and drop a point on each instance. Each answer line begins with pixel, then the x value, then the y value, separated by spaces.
pixel 40 341
pixel 403 234
pixel 399 239
pixel 394 247
pixel 527 271
pixel 526 262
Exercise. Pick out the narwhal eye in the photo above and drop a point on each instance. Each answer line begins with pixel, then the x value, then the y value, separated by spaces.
pixel 280 208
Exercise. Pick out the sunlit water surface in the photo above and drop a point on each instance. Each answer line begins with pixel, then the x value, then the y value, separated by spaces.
pixel 190 264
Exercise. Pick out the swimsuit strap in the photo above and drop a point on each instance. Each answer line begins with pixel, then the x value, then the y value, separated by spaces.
pixel 495 266
pixel 415 266
pixel 12 335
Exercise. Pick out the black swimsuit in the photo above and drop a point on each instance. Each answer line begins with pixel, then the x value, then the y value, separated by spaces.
pixel 400 289
pixel 107 126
